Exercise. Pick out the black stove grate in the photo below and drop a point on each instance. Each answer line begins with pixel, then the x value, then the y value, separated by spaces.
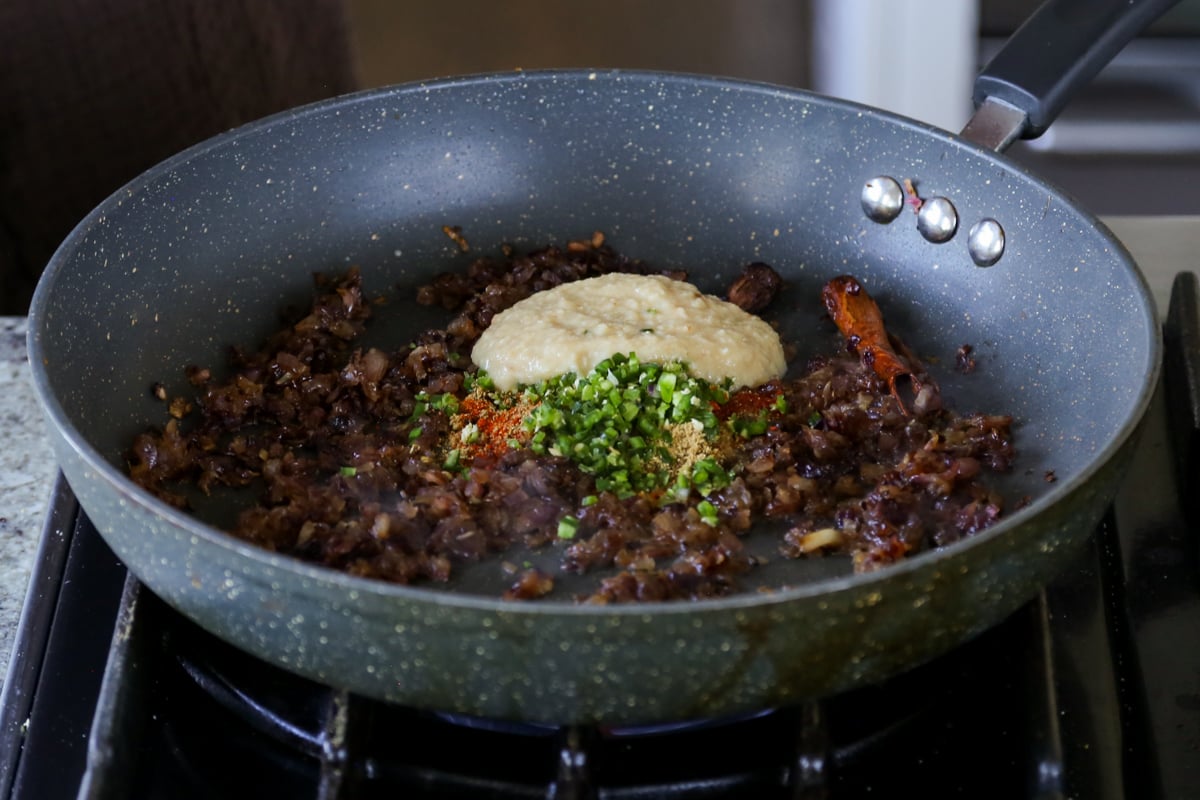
pixel 1092 690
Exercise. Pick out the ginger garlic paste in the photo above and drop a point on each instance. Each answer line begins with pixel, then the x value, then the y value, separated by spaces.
pixel 575 326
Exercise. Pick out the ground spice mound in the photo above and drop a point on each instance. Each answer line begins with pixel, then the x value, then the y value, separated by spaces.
pixel 688 444
pixel 347 459
pixel 484 427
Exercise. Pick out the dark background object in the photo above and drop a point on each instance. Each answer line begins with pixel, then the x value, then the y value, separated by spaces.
pixel 93 92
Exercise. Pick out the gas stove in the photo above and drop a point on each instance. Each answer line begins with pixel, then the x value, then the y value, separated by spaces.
pixel 1091 690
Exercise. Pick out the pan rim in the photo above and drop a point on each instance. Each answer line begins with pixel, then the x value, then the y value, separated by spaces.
pixel 39 320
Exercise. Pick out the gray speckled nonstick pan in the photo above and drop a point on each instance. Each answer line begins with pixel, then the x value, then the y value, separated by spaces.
pixel 707 174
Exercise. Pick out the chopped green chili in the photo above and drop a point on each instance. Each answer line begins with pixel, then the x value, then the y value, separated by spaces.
pixel 614 422
pixel 748 427
pixel 567 527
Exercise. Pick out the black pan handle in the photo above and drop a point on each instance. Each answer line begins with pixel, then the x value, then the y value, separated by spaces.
pixel 1054 54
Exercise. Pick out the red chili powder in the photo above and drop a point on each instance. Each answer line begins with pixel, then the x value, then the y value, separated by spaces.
pixel 496 425
pixel 748 402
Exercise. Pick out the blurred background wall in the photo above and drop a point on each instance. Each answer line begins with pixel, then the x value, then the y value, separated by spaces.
pixel 756 39
pixel 1130 143
pixel 916 58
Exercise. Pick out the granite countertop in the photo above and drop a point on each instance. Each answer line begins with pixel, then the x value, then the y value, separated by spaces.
pixel 26 474
pixel 1162 246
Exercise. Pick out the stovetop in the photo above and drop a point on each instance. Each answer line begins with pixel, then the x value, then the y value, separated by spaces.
pixel 1091 690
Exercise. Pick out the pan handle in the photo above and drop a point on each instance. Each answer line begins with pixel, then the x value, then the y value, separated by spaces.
pixel 1054 54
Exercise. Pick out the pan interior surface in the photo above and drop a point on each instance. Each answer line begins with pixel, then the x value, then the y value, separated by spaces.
pixel 684 172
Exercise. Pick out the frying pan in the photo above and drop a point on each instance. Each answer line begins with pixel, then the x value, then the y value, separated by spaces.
pixel 682 171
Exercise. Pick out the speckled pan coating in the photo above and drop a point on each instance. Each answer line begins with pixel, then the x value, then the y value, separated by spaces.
pixel 200 251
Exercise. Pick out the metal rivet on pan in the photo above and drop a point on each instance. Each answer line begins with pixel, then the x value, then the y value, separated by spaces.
pixel 937 220
pixel 882 199
pixel 985 241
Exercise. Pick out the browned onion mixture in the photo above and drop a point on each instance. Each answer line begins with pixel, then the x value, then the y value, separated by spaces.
pixel 321 427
